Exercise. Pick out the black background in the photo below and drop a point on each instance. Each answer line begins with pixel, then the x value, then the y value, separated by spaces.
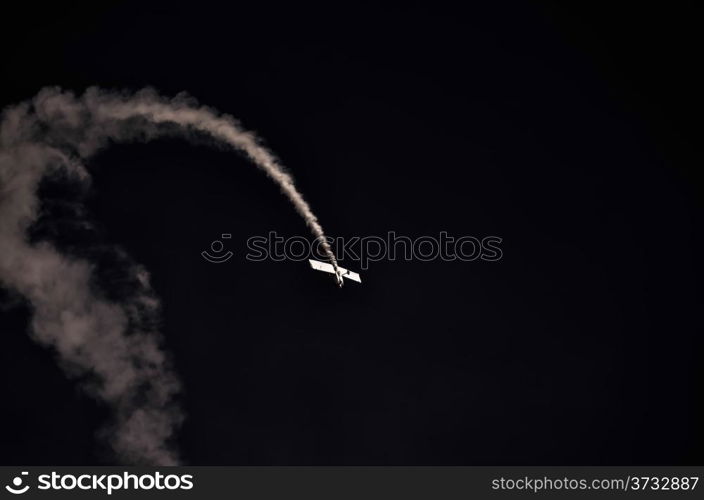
pixel 567 131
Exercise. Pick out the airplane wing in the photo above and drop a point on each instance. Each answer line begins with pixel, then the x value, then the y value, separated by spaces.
pixel 321 266
pixel 346 273
pixel 327 268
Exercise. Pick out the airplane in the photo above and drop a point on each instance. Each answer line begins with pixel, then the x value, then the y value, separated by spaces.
pixel 340 273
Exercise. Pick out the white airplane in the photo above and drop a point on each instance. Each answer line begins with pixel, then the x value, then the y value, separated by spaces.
pixel 339 274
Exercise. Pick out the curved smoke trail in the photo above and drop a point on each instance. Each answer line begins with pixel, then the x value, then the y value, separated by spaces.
pixel 115 342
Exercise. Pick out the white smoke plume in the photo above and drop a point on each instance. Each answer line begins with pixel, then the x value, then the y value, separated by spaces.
pixel 115 343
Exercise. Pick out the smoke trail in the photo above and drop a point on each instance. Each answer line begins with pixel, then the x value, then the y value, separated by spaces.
pixel 115 342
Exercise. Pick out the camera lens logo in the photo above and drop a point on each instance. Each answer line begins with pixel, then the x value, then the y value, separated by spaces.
pixel 217 247
pixel 16 488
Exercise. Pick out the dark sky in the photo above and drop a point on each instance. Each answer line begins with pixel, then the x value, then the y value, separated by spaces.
pixel 567 132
